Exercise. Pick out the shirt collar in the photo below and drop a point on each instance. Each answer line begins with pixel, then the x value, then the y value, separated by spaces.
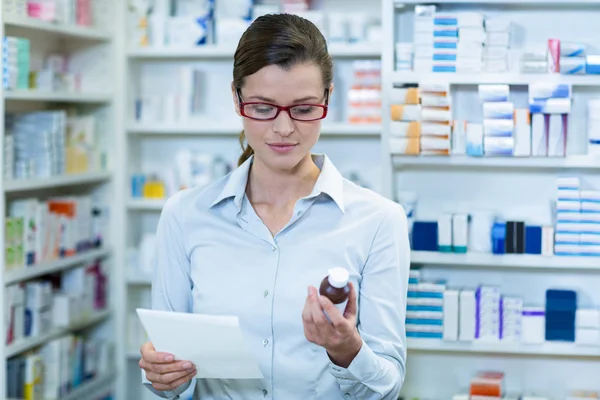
pixel 329 182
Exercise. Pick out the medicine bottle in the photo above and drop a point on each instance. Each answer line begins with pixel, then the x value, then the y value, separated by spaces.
pixel 335 287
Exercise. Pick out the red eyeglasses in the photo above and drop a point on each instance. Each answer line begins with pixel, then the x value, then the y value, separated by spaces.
pixel 299 112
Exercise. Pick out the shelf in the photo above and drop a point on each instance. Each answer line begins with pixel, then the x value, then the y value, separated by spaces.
pixel 573 162
pixel 341 50
pixel 38 95
pixel 91 389
pixel 509 261
pixel 343 129
pixel 146 204
pixel 218 129
pixel 547 349
pixel 34 271
pixel 32 342
pixel 23 185
pixel 201 128
pixel 400 77
pixel 72 31
pixel 139 278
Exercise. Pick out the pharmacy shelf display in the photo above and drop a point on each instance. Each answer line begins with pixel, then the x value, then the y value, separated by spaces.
pixel 70 172
pixel 433 176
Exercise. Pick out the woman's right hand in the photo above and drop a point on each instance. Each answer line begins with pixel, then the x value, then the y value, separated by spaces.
pixel 162 371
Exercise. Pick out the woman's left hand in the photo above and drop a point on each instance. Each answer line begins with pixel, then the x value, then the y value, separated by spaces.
pixel 339 337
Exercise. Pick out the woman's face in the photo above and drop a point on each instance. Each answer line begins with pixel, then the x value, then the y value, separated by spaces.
pixel 282 143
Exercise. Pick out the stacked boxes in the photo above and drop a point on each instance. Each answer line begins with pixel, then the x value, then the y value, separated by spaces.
pixel 577 219
pixel 404 56
pixel 511 311
pixel 16 61
pixel 42 231
pixel 435 41
pixel 38 308
pixel 572 58
pixel 498 123
pixel 594 128
pixel 587 327
pixel 487 385
pixel 471 36
pixel 561 306
pixel 425 309
pixel 549 105
pixel 39 140
pixel 16 8
pixel 405 127
pixel 497 43
pixel 487 318
pixel 436 119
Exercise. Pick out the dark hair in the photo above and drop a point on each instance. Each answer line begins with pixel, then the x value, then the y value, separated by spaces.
pixel 284 40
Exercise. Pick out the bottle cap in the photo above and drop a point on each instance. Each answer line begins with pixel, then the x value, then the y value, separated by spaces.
pixel 338 277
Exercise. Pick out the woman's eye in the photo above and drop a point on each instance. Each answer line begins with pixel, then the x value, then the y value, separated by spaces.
pixel 263 109
pixel 303 110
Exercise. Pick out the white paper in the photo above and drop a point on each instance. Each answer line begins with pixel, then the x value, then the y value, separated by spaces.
pixel 214 344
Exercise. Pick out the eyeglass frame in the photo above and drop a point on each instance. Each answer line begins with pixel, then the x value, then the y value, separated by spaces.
pixel 325 108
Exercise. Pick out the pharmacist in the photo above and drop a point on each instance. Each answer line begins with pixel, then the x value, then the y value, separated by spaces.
pixel 256 243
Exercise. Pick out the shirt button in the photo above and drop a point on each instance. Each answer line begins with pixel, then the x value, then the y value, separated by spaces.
pixel 299 213
pixel 265 393
pixel 274 248
pixel 266 293
pixel 265 342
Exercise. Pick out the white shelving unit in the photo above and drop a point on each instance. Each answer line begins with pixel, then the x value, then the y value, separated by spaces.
pixel 99 42
pixel 515 188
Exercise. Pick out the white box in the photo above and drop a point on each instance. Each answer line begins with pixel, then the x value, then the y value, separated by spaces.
pixel 587 318
pixel 460 233
pixel 436 129
pixel 494 93
pixel 587 337
pixel 533 325
pixel 405 129
pixel 557 140
pixel 498 127
pixel 550 106
pixel 445 233
pixel 522 133
pixel 459 138
pixel 539 137
pixel 499 110
pixel 451 315
pixel 466 330
pixel 497 39
pixel 474 139
pixel 436 114
pixel 547 241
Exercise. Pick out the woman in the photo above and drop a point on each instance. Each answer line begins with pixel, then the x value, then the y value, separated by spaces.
pixel 252 243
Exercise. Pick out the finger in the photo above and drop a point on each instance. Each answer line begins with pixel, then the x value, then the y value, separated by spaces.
pixel 335 316
pixel 310 330
pixel 177 366
pixel 152 356
pixel 173 385
pixel 324 327
pixel 351 309
pixel 167 379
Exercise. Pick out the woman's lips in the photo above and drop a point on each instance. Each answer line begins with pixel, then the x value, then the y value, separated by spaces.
pixel 282 148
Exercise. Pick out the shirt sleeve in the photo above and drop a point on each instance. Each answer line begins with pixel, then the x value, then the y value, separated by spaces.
pixel 378 371
pixel 171 282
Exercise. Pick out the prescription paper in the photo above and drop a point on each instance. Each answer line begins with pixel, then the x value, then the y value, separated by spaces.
pixel 214 344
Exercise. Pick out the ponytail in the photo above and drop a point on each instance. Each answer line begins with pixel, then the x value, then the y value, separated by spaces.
pixel 247 151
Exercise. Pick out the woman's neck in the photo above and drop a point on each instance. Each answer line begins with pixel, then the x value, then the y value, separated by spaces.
pixel 279 188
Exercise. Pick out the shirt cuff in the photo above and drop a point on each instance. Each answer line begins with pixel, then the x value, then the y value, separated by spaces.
pixel 364 366
pixel 166 394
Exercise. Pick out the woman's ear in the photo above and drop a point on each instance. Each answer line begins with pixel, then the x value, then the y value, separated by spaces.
pixel 330 90
pixel 236 100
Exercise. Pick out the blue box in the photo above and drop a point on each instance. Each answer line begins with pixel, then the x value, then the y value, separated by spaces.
pixel 425 236
pixel 533 240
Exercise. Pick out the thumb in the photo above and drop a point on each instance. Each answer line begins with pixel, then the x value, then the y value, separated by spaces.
pixel 351 307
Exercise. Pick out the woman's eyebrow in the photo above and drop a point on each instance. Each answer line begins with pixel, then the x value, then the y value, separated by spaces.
pixel 269 100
